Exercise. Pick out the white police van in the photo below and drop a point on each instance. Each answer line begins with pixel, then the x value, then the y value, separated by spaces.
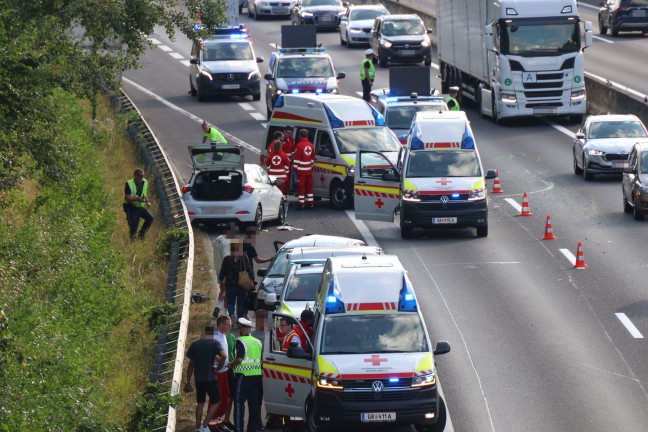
pixel 370 361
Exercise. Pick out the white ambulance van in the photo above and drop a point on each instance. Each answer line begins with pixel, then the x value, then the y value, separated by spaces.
pixel 338 126
pixel 370 360
pixel 438 181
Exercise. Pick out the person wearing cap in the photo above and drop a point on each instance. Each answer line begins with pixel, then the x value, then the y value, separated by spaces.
pixel 367 74
pixel 247 377
pixel 211 134
pixel 451 99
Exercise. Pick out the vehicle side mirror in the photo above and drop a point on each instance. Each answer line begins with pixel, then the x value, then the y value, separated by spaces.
pixel 193 61
pixel 262 272
pixel 298 353
pixel 341 75
pixel 442 347
pixel 491 174
pixel 259 59
pixel 488 30
pixel 267 76
pixel 580 136
pixel 278 182
pixel 428 31
pixel 390 175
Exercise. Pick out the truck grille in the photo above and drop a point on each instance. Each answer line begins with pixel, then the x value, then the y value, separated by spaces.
pixel 543 94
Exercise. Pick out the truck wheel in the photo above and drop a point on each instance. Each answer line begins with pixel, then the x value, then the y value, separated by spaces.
pixel 496 118
pixel 337 195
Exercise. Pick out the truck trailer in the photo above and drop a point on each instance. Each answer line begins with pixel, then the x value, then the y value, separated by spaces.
pixel 514 58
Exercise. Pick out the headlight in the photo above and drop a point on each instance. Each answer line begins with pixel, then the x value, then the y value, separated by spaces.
pixel 355 30
pixel 386 44
pixel 411 196
pixel 207 74
pixel 508 98
pixel 578 94
pixel 593 152
pixel 424 380
pixel 307 15
pixel 477 194
pixel 279 91
pixel 350 169
pixel 425 43
pixel 329 383
pixel 253 74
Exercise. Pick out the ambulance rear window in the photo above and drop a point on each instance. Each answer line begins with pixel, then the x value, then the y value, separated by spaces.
pixel 443 163
pixel 373 334
pixel 376 139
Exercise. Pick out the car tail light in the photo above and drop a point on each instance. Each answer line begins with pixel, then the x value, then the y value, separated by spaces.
pixel 242 212
pixel 623 9
pixel 191 213
pixel 185 189
pixel 248 188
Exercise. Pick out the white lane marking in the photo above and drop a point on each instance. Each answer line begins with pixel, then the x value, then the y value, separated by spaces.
pixel 258 116
pixel 602 39
pixel 514 204
pixel 165 48
pixel 185 62
pixel 176 55
pixel 564 130
pixel 570 256
pixel 246 106
pixel 364 231
pixel 629 326
pixel 154 41
pixel 230 137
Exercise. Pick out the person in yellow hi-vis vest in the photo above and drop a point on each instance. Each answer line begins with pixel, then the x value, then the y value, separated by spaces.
pixel 367 74
pixel 451 99
pixel 211 134
pixel 247 377
pixel 135 204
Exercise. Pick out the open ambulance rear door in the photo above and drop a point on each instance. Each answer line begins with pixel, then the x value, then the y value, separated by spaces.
pixel 376 187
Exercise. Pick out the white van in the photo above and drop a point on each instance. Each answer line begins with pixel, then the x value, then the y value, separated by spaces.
pixel 338 126
pixel 438 181
pixel 370 361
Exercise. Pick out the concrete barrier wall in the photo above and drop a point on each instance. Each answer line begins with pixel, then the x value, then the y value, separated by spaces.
pixel 602 96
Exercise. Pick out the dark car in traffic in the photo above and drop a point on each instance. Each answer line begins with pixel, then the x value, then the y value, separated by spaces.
pixel 635 182
pixel 402 39
pixel 322 13
pixel 623 15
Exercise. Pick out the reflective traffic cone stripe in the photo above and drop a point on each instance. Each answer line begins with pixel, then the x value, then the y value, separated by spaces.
pixel 497 188
pixel 580 258
pixel 525 206
pixel 549 235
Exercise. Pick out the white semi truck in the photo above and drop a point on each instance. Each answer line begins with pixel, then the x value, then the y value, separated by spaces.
pixel 514 58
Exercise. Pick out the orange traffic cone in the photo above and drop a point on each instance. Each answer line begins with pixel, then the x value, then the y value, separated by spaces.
pixel 525 206
pixel 549 235
pixel 497 188
pixel 580 258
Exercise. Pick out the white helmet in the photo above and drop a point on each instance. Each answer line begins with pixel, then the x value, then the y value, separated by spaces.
pixel 369 52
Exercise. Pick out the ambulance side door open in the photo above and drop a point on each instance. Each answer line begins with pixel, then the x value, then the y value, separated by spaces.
pixel 376 187
pixel 286 381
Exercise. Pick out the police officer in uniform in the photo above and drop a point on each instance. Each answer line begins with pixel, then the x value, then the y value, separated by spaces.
pixel 367 74
pixel 211 134
pixel 451 99
pixel 247 377
pixel 135 204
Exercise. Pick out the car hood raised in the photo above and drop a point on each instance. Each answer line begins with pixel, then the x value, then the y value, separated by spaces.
pixel 231 66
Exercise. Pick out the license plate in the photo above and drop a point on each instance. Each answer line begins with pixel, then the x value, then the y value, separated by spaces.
pixel 231 86
pixel 327 20
pixel 378 417
pixel 407 52
pixel 280 11
pixel 540 111
pixel 444 220
pixel 215 210
pixel 619 164
pixel 639 13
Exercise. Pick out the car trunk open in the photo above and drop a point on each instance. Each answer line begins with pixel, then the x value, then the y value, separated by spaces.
pixel 217 185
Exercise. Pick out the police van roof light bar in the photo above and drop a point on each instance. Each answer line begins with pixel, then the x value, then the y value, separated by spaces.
pixel 301 50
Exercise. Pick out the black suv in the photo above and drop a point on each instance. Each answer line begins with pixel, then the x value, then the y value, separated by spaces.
pixel 402 39
pixel 623 15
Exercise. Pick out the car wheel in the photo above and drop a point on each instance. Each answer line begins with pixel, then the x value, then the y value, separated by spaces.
pixel 440 424
pixel 627 208
pixel 406 231
pixel 614 30
pixel 311 422
pixel 602 28
pixel 256 14
pixel 342 41
pixel 192 90
pixel 249 10
pixel 482 231
pixel 587 175
pixel 281 218
pixel 258 217
pixel 382 61
pixel 268 113
pixel 337 195
pixel 577 170
pixel 636 213
pixel 428 62
pixel 256 96
pixel 200 95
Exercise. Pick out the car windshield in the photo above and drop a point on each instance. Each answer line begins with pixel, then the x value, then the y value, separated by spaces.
pixel 376 139
pixel 302 287
pixel 366 14
pixel 373 333
pixel 644 162
pixel 279 264
pixel 228 51
pixel 443 163
pixel 320 3
pixel 530 39
pixel 403 27
pixel 616 129
pixel 400 117
pixel 304 67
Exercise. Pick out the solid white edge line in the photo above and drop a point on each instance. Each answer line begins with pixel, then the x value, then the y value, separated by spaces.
pixel 570 256
pixel 514 204
pixel 362 227
pixel 628 325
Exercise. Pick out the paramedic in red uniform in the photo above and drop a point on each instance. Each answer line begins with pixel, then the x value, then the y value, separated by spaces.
pixel 278 164
pixel 288 146
pixel 304 158
pixel 263 158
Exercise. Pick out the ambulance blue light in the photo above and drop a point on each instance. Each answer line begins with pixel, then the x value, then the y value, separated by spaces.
pixel 394 380
pixel 407 300
pixel 391 99
pixel 331 299
pixel 416 143
pixel 318 91
pixel 455 195
pixel 333 119
pixel 294 91
pixel 379 118
pixel 468 142
pixel 333 302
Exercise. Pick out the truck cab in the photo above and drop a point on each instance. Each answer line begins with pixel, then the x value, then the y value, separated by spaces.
pixel 370 360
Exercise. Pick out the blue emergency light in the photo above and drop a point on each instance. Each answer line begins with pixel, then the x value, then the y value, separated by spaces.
pixel 333 302
pixel 279 102
pixel 416 143
pixel 301 50
pixel 394 380
pixel 378 118
pixel 468 141
pixel 407 300
pixel 335 121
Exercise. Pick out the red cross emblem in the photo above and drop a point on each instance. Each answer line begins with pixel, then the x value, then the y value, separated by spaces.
pixel 379 204
pixel 375 360
pixel 290 390
pixel 444 181
pixel 308 151
pixel 322 178
pixel 276 160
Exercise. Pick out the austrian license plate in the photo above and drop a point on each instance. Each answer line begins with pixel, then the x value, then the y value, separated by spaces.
pixel 327 20
pixel 444 220
pixel 407 52
pixel 215 210
pixel 280 11
pixel 543 111
pixel 378 417
pixel 639 13
pixel 231 86
pixel 619 164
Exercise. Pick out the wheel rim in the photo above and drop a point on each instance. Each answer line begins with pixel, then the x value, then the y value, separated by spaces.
pixel 338 195
pixel 282 213
pixel 258 218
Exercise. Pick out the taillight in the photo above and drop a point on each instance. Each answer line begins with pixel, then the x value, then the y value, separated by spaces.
pixel 248 188
pixel 622 9
pixel 185 189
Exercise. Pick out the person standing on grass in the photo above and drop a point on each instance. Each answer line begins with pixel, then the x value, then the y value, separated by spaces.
pixel 136 204
pixel 203 353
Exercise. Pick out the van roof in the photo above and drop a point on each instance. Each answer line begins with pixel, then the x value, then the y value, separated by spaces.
pixel 322 240
pixel 351 264
pixel 454 135
pixel 324 252
pixel 341 111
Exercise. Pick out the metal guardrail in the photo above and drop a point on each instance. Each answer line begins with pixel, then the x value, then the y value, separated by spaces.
pixel 169 353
